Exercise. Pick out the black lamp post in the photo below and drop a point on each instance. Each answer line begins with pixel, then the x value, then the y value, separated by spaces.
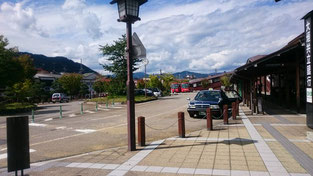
pixel 128 11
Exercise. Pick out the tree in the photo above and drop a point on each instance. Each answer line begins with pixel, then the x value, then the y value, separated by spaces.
pixel 225 80
pixel 205 84
pixel 115 53
pixel 98 86
pixel 70 82
pixel 154 82
pixel 84 89
pixel 166 81
pixel 14 68
pixel 141 84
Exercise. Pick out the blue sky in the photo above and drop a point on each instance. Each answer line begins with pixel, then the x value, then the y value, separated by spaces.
pixel 194 35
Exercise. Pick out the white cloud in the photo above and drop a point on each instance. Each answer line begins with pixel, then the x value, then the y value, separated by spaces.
pixel 179 35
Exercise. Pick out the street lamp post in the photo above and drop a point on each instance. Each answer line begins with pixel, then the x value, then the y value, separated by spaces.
pixel 129 13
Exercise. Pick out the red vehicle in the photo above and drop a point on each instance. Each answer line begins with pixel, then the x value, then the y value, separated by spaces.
pixel 185 87
pixel 175 87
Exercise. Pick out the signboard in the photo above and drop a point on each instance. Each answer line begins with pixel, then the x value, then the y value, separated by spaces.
pixel 308 67
pixel 308 55
pixel 309 95
pixel 138 48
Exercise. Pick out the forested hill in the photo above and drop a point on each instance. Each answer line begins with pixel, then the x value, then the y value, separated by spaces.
pixel 58 64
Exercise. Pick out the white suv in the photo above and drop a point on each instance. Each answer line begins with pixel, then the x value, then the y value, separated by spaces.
pixel 59 97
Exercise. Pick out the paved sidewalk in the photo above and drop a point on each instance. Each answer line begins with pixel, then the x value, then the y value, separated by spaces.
pixel 258 145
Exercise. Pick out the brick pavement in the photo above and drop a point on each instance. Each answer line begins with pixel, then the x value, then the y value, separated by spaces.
pixel 250 145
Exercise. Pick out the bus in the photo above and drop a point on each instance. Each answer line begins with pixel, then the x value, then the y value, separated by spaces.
pixel 175 87
pixel 185 87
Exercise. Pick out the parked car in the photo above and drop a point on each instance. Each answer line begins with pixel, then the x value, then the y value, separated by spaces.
pixel 215 99
pixel 60 97
pixel 142 92
pixel 232 96
pixel 157 92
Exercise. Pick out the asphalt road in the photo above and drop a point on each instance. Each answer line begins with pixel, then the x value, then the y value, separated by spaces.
pixel 51 137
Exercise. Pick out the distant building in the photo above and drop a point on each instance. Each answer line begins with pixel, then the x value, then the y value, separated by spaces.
pixel 89 79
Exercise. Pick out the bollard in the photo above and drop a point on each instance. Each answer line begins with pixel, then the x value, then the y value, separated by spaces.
pixel 237 107
pixel 181 124
pixel 141 131
pixel 225 114
pixel 60 112
pixel 209 123
pixel 113 102
pixel 33 115
pixel 96 106
pixel 81 108
pixel 107 103
pixel 233 110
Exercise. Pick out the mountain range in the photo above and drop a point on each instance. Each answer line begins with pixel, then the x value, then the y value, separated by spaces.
pixel 58 64
pixel 178 75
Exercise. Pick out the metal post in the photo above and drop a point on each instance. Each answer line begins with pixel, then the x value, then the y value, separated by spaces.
pixel 209 123
pixel 181 124
pixel 225 114
pixel 141 131
pixel 96 106
pixel 113 102
pixel 233 110
pixel 81 108
pixel 33 115
pixel 107 103
pixel 130 91
pixel 60 111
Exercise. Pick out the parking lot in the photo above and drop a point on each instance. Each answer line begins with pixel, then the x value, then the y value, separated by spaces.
pixel 51 137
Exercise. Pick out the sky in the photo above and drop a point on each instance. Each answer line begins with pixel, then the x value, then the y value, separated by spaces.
pixel 203 36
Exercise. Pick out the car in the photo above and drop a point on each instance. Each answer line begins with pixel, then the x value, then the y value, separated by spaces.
pixel 60 97
pixel 215 99
pixel 157 92
pixel 142 92
pixel 232 96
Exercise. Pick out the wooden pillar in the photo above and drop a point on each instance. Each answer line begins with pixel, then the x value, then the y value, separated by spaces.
pixel 265 86
pixel 298 84
pixel 271 84
pixel 287 92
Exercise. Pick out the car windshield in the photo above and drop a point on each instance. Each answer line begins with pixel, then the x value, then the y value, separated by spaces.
pixel 231 94
pixel 55 95
pixel 175 86
pixel 184 85
pixel 154 89
pixel 208 96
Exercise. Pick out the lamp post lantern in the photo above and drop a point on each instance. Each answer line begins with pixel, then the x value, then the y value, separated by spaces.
pixel 128 11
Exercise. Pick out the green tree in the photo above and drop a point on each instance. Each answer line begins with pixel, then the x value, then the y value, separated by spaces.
pixel 155 82
pixel 140 84
pixel 166 81
pixel 115 54
pixel 83 90
pixel 70 82
pixel 225 80
pixel 205 84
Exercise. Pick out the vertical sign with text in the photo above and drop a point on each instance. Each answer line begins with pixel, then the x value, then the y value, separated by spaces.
pixel 308 54
pixel 308 67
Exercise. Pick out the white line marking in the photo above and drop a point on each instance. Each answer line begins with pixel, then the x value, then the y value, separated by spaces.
pixel 5 155
pixel 106 117
pixel 72 115
pixel 91 112
pixel 264 150
pixel 117 107
pixel 169 170
pixel 60 128
pixel 133 161
pixel 48 119
pixel 37 124
pixel 85 130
